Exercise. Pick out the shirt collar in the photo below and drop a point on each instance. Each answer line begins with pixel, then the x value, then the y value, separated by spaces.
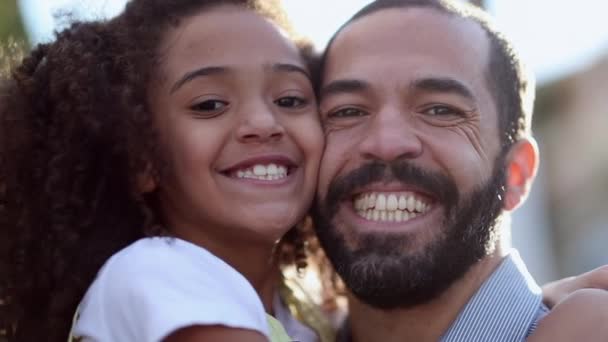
pixel 503 308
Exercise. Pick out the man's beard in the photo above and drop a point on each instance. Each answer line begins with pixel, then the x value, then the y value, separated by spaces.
pixel 387 270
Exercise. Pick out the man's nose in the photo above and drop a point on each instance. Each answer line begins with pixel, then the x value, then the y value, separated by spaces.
pixel 259 124
pixel 392 136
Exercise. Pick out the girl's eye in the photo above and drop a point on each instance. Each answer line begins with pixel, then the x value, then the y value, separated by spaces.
pixel 348 112
pixel 291 102
pixel 209 106
pixel 441 110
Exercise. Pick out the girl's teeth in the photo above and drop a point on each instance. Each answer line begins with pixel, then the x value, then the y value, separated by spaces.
pixel 263 172
pixel 259 170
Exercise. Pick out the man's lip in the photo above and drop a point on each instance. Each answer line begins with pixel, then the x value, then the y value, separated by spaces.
pixel 278 159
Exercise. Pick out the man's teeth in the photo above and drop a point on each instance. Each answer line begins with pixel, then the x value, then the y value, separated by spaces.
pixel 390 207
pixel 263 172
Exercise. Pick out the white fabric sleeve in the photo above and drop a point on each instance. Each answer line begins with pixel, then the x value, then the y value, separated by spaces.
pixel 157 286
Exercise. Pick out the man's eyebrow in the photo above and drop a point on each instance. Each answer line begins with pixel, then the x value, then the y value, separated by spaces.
pixel 443 85
pixel 286 67
pixel 206 71
pixel 344 86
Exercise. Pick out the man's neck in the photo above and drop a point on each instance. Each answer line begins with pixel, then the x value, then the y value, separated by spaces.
pixel 426 322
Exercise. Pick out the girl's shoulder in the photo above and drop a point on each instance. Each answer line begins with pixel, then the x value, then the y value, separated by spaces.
pixel 167 256
pixel 157 285
pixel 162 264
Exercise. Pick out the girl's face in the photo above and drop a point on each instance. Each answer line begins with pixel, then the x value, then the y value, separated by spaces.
pixel 239 127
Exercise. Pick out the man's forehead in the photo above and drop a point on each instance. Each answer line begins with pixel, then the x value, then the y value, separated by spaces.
pixel 413 35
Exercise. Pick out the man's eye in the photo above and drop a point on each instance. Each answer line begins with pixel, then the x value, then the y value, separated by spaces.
pixel 209 106
pixel 290 102
pixel 347 113
pixel 441 110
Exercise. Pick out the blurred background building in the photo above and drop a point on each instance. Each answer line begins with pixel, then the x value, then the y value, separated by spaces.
pixel 572 124
pixel 563 228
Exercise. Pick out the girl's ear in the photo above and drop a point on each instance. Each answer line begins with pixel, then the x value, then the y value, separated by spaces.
pixel 522 165
pixel 146 181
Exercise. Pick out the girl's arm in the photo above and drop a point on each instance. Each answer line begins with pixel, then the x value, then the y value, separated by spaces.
pixel 215 333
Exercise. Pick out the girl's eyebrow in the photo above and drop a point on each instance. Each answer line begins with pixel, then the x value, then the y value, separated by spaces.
pixel 215 70
pixel 287 67
pixel 201 72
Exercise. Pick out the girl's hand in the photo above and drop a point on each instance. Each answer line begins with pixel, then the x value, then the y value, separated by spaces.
pixel 556 291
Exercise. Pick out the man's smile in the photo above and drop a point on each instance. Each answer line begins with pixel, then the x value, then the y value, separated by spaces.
pixel 390 206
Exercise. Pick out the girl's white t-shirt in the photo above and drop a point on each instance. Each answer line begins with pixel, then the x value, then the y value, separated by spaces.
pixel 159 285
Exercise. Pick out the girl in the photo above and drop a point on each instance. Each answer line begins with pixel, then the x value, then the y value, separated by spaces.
pixel 174 145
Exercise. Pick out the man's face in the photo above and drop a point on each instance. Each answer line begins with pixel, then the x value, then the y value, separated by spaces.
pixel 411 182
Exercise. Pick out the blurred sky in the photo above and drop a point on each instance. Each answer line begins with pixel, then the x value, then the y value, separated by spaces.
pixel 555 37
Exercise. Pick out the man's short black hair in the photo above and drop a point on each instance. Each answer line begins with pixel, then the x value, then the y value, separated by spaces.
pixel 509 84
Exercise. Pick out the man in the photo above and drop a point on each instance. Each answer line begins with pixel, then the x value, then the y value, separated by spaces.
pixel 427 115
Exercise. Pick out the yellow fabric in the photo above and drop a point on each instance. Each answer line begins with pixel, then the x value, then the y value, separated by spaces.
pixel 277 332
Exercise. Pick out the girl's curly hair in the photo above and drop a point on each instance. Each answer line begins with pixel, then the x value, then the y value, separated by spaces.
pixel 75 133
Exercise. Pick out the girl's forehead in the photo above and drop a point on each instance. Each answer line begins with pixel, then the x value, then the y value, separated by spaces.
pixel 225 37
pixel 222 31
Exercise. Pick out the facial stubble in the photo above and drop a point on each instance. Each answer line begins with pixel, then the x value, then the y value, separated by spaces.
pixel 389 270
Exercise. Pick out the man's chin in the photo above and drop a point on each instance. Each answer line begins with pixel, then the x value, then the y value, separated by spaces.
pixel 384 273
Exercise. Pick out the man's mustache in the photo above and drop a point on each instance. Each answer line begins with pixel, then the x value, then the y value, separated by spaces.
pixel 441 187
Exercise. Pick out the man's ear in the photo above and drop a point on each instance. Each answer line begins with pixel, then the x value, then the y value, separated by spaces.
pixel 521 164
